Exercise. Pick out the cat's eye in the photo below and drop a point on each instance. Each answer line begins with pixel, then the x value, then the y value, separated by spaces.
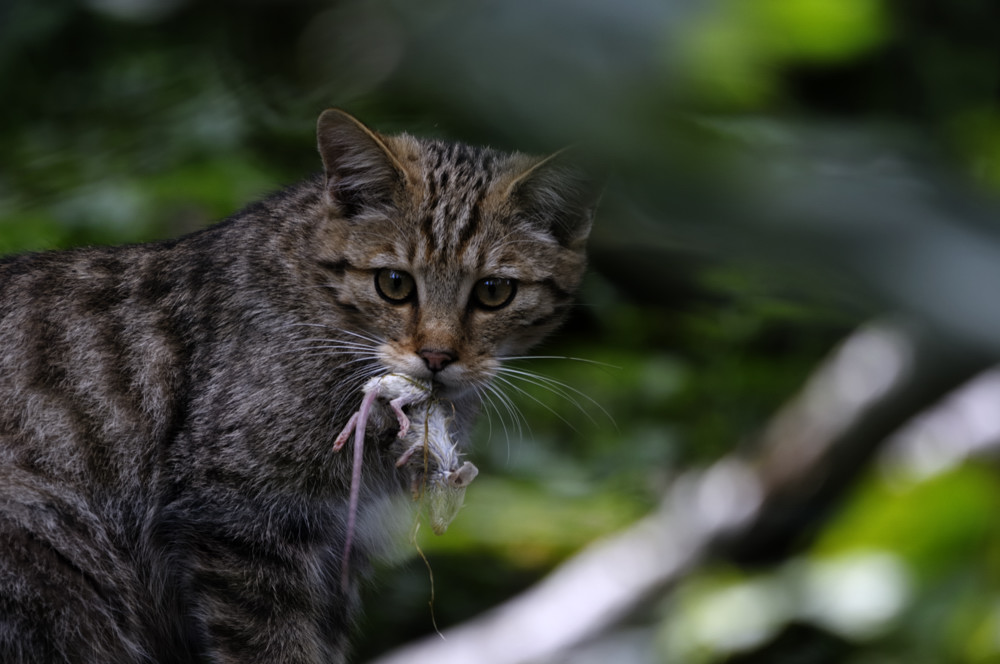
pixel 395 286
pixel 494 292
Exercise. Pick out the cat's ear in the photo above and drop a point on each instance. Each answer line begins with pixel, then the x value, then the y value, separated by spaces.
pixel 361 171
pixel 562 191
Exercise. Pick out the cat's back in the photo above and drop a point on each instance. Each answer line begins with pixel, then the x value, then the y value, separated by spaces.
pixel 99 345
pixel 71 389
pixel 100 348
pixel 90 353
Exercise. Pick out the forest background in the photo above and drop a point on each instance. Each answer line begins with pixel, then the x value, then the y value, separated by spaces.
pixel 787 175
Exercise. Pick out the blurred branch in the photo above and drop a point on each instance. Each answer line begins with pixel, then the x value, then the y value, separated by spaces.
pixel 881 378
pixel 753 511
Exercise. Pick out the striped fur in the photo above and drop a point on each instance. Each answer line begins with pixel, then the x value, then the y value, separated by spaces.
pixel 168 489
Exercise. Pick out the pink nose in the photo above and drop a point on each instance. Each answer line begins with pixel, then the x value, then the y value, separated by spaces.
pixel 436 360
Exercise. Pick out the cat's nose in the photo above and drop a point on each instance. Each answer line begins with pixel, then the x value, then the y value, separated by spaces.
pixel 436 360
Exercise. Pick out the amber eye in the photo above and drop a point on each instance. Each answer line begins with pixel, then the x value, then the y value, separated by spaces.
pixel 395 286
pixel 494 292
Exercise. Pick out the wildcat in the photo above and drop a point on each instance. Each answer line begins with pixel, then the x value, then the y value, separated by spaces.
pixel 168 487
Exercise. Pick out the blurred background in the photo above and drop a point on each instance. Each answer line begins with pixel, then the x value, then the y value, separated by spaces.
pixel 785 171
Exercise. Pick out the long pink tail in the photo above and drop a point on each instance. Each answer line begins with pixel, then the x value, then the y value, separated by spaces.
pixel 352 505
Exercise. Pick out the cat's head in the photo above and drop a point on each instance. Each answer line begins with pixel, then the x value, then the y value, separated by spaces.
pixel 452 257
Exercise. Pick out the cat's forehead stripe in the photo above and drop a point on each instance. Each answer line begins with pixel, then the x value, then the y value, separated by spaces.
pixel 457 183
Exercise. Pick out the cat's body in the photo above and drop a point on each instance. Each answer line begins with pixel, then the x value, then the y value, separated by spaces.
pixel 168 486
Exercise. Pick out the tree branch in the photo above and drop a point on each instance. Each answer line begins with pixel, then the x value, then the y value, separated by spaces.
pixel 748 511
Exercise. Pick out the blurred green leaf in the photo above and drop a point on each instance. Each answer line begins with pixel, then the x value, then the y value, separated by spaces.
pixel 531 525
pixel 737 50
pixel 935 525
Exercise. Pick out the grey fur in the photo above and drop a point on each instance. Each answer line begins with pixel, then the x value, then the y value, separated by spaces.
pixel 168 487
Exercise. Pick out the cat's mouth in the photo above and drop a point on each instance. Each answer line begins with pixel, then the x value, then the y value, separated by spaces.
pixel 453 380
pixel 444 388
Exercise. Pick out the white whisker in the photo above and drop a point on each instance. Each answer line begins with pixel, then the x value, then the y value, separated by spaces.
pixel 355 380
pixel 330 350
pixel 506 409
pixel 365 337
pixel 558 388
pixel 514 386
pixel 353 344
pixel 374 340
pixel 558 357
pixel 487 405
pixel 487 394
pixel 554 388
pixel 366 352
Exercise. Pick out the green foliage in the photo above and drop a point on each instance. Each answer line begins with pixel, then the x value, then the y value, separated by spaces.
pixel 737 53
pixel 159 117
pixel 898 574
